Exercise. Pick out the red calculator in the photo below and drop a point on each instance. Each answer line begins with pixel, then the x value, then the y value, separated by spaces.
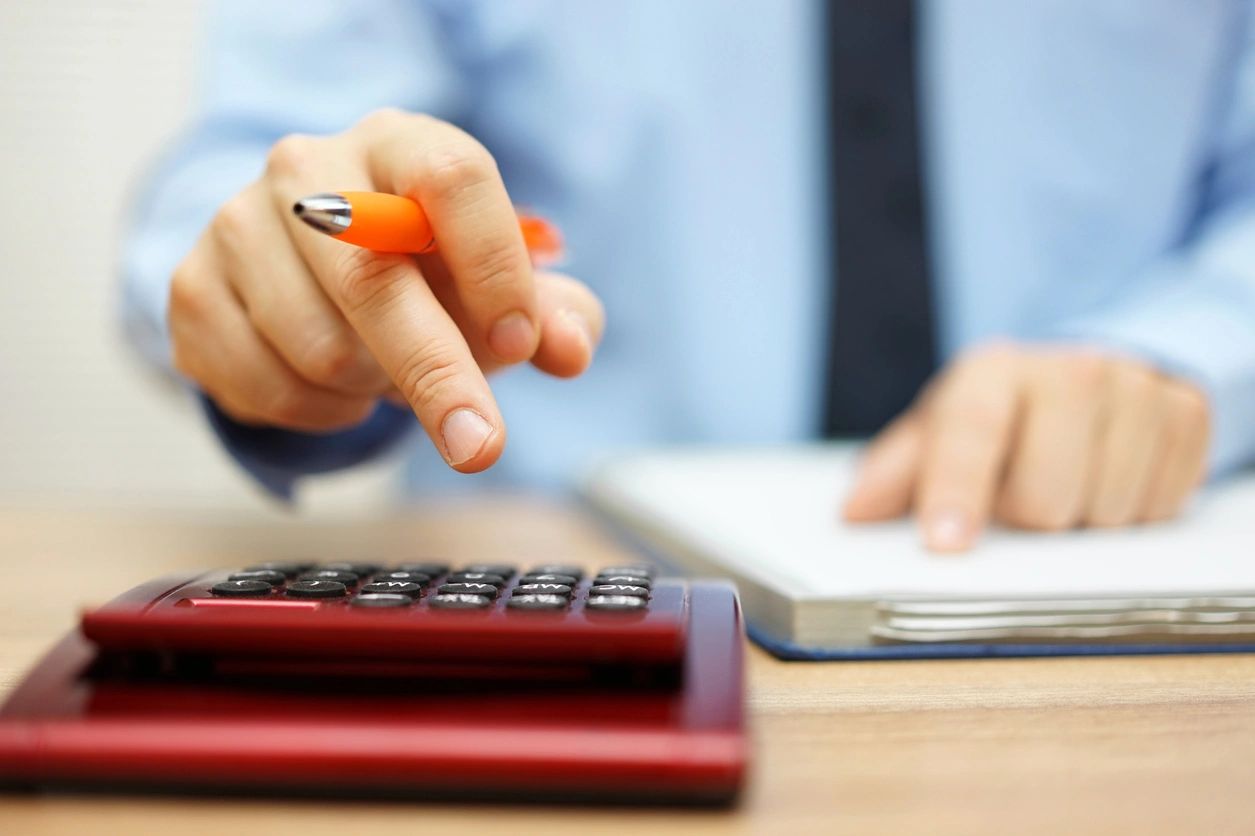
pixel 414 679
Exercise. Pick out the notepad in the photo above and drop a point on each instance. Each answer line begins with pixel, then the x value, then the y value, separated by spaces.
pixel 812 585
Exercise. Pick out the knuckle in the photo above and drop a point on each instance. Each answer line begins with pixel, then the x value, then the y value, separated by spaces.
pixel 427 376
pixel 366 279
pixel 187 297
pixel 384 119
pixel 454 168
pixel 1187 408
pixel 290 156
pixel 1086 374
pixel 497 264
pixel 333 358
pixel 233 221
pixel 1136 384
pixel 980 418
pixel 994 352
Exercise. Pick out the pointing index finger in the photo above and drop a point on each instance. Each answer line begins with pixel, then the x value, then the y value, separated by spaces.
pixel 970 422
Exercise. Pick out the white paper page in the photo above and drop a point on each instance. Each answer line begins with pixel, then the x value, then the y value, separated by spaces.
pixel 772 516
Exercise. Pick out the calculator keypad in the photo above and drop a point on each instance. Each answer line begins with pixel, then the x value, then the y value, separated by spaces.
pixel 481 586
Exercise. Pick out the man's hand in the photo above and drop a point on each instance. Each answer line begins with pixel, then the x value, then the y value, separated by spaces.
pixel 285 327
pixel 1043 438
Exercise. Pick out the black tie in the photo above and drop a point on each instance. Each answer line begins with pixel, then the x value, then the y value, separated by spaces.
pixel 881 345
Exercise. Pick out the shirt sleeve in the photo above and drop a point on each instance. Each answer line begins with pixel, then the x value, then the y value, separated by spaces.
pixel 270 70
pixel 1193 312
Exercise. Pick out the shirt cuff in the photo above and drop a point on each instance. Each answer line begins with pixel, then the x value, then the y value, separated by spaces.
pixel 278 458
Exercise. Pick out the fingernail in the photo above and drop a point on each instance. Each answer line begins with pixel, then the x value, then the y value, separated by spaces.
pixel 513 338
pixel 949 531
pixel 577 321
pixel 465 433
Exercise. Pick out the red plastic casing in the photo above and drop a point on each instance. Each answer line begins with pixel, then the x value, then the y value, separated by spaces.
pixel 676 735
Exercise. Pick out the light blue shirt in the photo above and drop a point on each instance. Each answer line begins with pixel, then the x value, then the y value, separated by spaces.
pixel 1091 172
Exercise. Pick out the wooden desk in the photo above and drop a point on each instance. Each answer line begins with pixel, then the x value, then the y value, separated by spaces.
pixel 1156 745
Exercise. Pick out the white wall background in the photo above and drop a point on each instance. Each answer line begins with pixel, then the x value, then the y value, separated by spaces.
pixel 90 90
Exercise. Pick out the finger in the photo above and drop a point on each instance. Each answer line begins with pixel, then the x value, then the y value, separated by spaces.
pixel 385 298
pixel 572 321
pixel 886 478
pixel 284 301
pixel 968 429
pixel 457 183
pixel 216 345
pixel 387 301
pixel 1183 460
pixel 1050 463
pixel 1129 443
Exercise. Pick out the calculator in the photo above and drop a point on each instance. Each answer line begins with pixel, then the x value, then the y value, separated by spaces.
pixel 415 679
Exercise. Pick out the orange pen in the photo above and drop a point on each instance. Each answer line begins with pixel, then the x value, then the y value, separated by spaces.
pixel 388 223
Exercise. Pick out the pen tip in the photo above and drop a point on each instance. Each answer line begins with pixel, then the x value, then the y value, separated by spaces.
pixel 329 213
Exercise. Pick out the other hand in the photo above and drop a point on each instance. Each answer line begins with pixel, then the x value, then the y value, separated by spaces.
pixel 1038 437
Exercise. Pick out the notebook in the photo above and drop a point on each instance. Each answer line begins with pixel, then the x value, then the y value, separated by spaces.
pixel 813 586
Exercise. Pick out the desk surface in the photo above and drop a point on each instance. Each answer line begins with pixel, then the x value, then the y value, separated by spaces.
pixel 1160 745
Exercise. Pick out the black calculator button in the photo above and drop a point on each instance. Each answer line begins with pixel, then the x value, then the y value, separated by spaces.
pixel 503 569
pixel 381 601
pixel 459 601
pixel 537 602
pixel 424 568
pixel 468 588
pixel 638 571
pixel 543 589
pixel 630 580
pixel 346 578
pixel 286 567
pixel 362 570
pixel 270 576
pixel 408 588
pixel 618 589
pixel 413 577
pixel 317 589
pixel 616 603
pixel 557 569
pixel 477 577
pixel 544 577
pixel 242 588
